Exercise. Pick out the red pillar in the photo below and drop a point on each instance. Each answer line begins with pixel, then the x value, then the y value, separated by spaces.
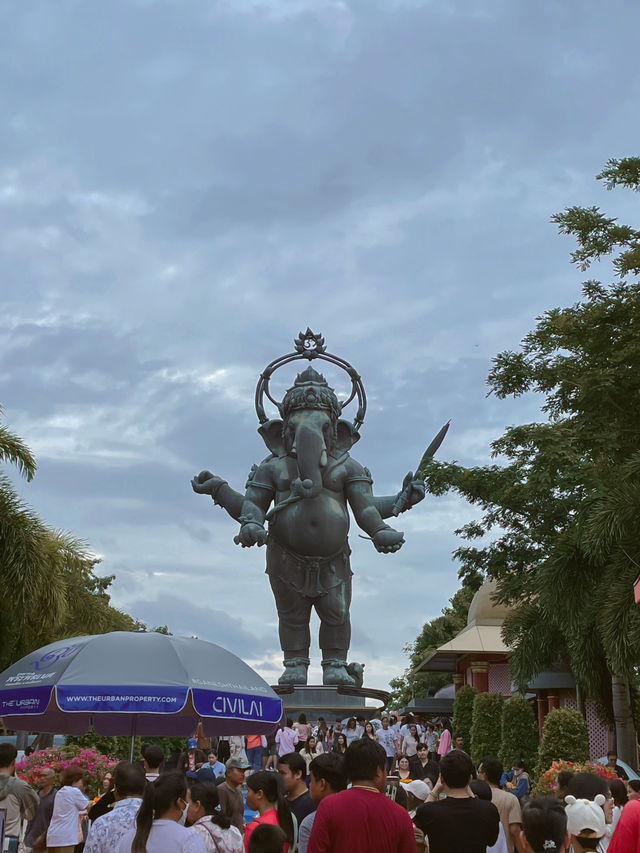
pixel 543 709
pixel 480 675
pixel 554 702
pixel 458 680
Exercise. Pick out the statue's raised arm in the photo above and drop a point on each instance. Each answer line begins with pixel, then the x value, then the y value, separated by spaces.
pixel 302 491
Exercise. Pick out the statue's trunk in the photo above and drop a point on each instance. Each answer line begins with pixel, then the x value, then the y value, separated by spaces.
pixel 311 452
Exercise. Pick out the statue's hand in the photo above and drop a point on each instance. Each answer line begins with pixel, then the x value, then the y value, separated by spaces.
pixel 251 533
pixel 206 483
pixel 388 540
pixel 411 493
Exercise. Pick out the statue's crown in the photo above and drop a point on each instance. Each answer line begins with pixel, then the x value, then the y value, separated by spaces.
pixel 310 391
pixel 310 377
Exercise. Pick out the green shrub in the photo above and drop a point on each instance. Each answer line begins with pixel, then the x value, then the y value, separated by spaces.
pixel 564 738
pixel 520 737
pixel 120 747
pixel 463 712
pixel 486 730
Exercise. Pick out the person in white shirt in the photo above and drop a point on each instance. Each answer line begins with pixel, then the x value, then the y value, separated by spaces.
pixel 69 812
pixel 387 739
pixel 107 831
pixel 406 727
pixel 158 825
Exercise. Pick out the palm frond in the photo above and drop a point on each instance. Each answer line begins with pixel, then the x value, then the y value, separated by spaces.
pixel 14 451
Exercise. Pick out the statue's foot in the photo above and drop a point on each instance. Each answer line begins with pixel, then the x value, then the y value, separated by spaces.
pixel 335 674
pixel 295 671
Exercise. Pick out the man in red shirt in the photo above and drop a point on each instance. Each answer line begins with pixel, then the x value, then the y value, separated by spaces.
pixel 362 818
pixel 626 835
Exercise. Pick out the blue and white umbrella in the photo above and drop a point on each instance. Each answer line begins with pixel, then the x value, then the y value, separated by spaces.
pixel 127 683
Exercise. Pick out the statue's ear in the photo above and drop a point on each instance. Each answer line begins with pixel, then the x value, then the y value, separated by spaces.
pixel 271 433
pixel 347 436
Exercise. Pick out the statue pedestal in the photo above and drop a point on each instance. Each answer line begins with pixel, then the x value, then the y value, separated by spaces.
pixel 329 702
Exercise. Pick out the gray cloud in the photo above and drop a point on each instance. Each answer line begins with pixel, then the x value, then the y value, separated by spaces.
pixel 185 187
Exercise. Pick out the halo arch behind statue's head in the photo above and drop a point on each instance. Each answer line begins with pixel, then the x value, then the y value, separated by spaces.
pixel 311 346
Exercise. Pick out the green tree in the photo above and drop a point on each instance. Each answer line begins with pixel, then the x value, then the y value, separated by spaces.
pixel 486 729
pixel 463 712
pixel 564 738
pixel 434 634
pixel 48 589
pixel 564 507
pixel 520 739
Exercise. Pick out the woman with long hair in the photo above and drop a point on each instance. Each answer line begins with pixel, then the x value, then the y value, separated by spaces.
pixel 370 732
pixel 303 729
pixel 158 830
pixel 404 769
pixel 339 743
pixel 351 732
pixel 265 795
pixel 321 741
pixel 410 741
pixel 444 747
pixel 208 819
pixel 310 750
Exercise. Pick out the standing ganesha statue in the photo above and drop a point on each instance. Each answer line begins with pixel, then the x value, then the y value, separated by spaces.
pixel 301 490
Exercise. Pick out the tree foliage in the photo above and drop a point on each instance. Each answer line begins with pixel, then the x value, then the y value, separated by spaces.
pixel 564 738
pixel 520 738
pixel 486 729
pixel 48 588
pixel 120 747
pixel 433 635
pixel 560 529
pixel 463 712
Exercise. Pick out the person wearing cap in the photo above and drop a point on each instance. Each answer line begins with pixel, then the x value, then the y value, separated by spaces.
pixel 417 792
pixel 585 822
pixel 230 793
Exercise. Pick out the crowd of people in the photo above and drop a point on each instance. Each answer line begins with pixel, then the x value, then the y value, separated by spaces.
pixel 355 786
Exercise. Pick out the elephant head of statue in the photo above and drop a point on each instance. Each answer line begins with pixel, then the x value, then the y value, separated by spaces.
pixel 311 430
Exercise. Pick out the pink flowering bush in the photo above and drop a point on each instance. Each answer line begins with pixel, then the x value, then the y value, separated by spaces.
pixel 548 783
pixel 94 764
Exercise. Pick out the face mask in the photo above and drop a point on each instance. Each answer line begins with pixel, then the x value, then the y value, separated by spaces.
pixel 183 817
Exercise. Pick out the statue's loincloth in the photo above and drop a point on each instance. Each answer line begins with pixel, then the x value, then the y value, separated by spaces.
pixel 311 577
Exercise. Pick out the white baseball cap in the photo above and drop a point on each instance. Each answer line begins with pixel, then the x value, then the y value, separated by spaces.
pixel 418 788
pixel 585 817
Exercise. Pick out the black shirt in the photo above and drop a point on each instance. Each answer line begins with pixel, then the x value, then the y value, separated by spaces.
pixel 429 771
pixel 467 825
pixel 41 821
pixel 302 806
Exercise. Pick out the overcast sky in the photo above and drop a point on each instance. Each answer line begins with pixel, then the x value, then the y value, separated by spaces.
pixel 186 185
